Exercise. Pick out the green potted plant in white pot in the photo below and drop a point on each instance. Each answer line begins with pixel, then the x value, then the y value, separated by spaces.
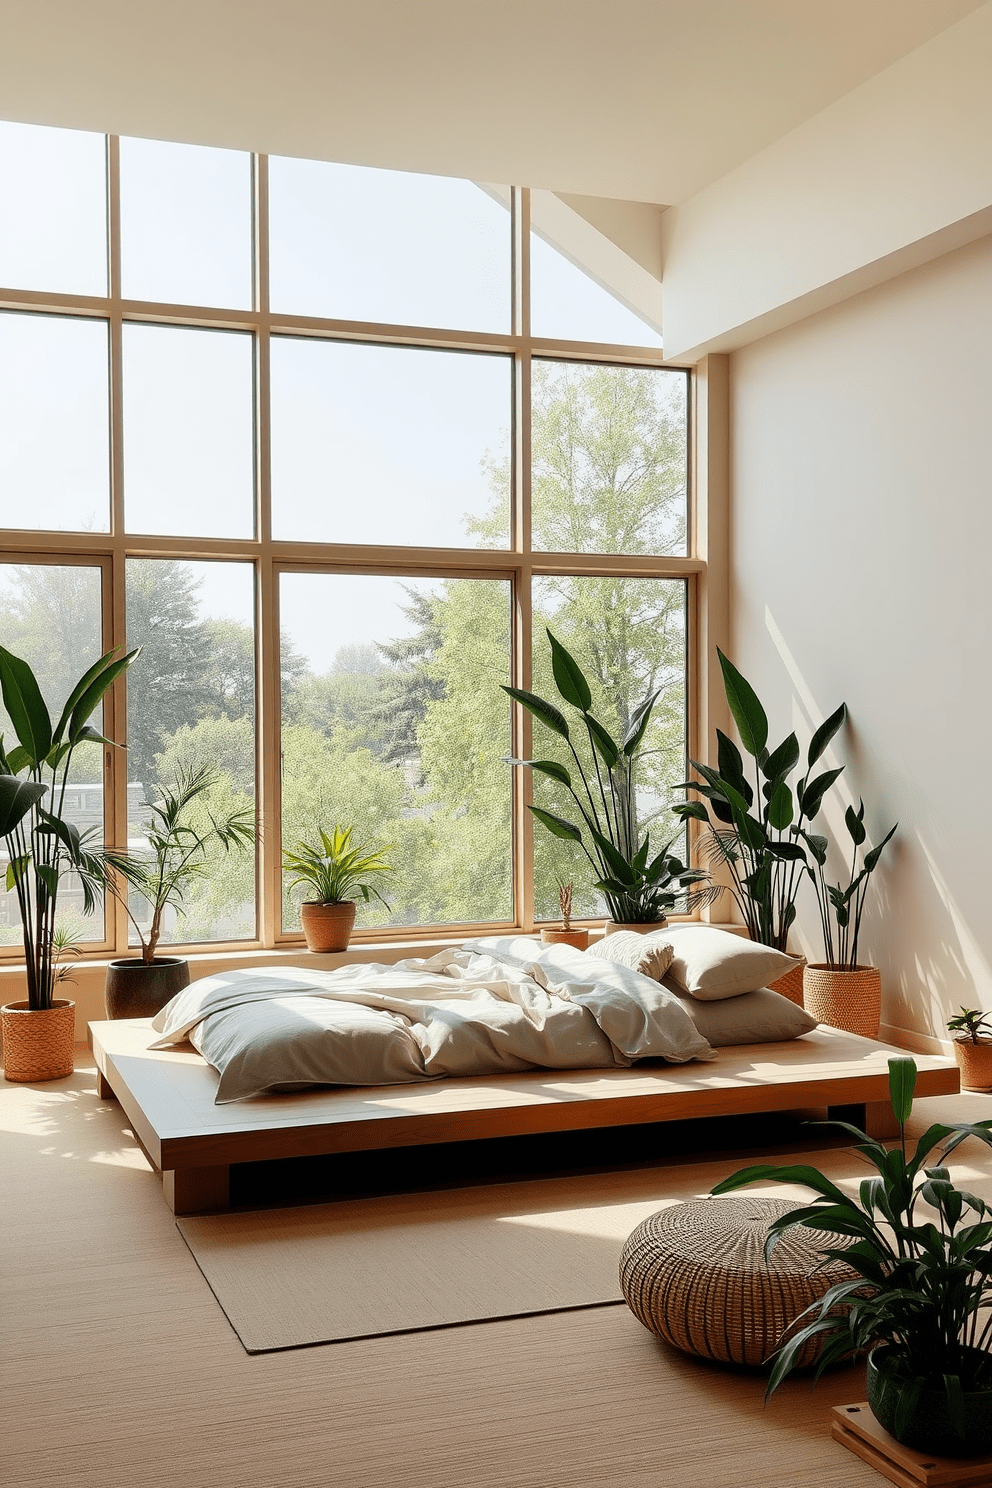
pixel 139 986
pixel 42 848
pixel 335 872
pixel 922 1251
pixel 640 888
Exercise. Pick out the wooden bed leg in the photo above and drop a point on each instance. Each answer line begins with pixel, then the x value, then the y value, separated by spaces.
pixel 879 1120
pixel 103 1087
pixel 197 1190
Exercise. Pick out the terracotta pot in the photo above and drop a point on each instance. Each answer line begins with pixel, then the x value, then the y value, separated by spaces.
pixel 140 989
pixel 327 927
pixel 974 1062
pixel 845 999
pixel 577 938
pixel 39 1045
pixel 613 925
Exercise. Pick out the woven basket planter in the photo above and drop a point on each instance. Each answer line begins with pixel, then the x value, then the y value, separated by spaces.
pixel 612 926
pixel 975 1063
pixel 38 1044
pixel 851 1000
pixel 791 984
pixel 696 1275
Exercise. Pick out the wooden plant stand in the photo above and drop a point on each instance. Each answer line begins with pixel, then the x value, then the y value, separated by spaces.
pixel 856 1428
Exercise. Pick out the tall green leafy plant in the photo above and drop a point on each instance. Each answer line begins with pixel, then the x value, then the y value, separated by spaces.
pixel 756 829
pixel 841 906
pixel 638 888
pixel 924 1280
pixel 41 846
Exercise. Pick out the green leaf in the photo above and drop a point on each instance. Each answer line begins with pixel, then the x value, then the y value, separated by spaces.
pixel 88 700
pixel 17 797
pixel 825 733
pixel 749 715
pixel 26 706
pixel 855 823
pixel 811 799
pixel 780 807
pixel 871 858
pixel 85 681
pixel 730 762
pixel 549 715
pixel 817 846
pixel 694 809
pixel 557 824
pixel 638 723
pixel 615 861
pixel 543 767
pixel 902 1082
pixel 569 677
pixel 788 852
pixel 782 759
pixel 603 742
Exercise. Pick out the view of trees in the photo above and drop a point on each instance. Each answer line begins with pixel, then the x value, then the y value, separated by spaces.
pixel 406 737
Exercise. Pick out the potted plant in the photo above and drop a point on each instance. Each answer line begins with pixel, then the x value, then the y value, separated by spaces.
pixel 139 986
pixel 42 847
pixel 336 872
pixel 972 1048
pixel 839 990
pixel 923 1288
pixel 756 828
pixel 567 935
pixel 640 890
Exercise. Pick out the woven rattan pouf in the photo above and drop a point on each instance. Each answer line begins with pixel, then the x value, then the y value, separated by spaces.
pixel 696 1275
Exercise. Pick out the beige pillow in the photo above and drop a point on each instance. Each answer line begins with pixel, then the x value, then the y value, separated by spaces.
pixel 627 948
pixel 762 1017
pixel 711 964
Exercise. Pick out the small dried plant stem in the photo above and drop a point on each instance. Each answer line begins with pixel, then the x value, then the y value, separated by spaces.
pixel 565 901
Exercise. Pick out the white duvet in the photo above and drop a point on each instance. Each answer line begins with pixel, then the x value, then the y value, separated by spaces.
pixel 489 1007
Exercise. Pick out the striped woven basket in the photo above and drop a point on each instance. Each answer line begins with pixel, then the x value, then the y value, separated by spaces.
pixel 38 1044
pixel 851 1000
pixel 791 984
pixel 696 1275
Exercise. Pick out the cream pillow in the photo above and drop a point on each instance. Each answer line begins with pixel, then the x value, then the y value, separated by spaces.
pixel 651 957
pixel 762 1017
pixel 711 964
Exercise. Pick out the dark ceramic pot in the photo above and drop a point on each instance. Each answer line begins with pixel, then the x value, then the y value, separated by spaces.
pixel 139 989
pixel 929 1428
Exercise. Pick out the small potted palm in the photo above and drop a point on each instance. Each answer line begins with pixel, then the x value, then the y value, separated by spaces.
pixel 139 986
pixel 567 933
pixel 335 872
pixel 42 848
pixel 972 1047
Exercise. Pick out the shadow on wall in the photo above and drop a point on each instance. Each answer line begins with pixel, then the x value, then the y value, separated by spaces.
pixel 914 929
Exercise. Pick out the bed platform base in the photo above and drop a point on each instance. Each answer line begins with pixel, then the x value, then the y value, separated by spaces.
pixel 168 1096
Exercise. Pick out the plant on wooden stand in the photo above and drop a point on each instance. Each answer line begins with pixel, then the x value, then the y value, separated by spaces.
pixel 337 872
pixel 138 987
pixel 923 1291
pixel 42 848
pixel 973 1047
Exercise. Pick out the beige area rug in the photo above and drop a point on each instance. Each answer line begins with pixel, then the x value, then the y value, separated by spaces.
pixel 287 1278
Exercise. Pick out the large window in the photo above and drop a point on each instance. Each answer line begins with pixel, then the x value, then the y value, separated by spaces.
pixel 288 426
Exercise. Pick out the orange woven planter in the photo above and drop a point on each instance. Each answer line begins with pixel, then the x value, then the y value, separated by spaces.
pixel 851 1000
pixel 612 926
pixel 974 1062
pixel 38 1045
pixel 328 927
pixel 577 938
pixel 791 984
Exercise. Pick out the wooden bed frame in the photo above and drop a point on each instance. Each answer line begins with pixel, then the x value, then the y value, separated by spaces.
pixel 168 1095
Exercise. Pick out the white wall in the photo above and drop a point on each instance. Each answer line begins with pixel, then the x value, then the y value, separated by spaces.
pixel 862 571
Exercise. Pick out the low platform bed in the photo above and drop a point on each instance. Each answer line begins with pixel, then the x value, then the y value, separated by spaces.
pixel 168 1095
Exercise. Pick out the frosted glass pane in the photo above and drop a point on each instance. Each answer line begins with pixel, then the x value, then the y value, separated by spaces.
pixel 54 423
pixel 567 305
pixel 188 432
pixel 53 209
pixel 186 226
pixel 382 444
pixel 394 723
pixel 609 458
pixel 353 243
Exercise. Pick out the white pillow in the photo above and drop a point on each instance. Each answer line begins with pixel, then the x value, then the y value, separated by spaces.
pixel 650 956
pixel 762 1017
pixel 710 964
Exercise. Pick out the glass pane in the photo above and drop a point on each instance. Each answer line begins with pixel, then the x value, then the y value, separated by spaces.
pixel 385 444
pixel 394 724
pixel 190 704
pixel 188 432
pixel 186 226
pixel 629 638
pixel 610 459
pixel 54 423
pixel 53 186
pixel 567 305
pixel 50 616
pixel 353 243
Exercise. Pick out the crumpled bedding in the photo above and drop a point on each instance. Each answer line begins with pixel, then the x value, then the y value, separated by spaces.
pixel 491 1006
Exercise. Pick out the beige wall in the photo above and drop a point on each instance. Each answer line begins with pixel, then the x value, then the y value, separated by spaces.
pixel 862 571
